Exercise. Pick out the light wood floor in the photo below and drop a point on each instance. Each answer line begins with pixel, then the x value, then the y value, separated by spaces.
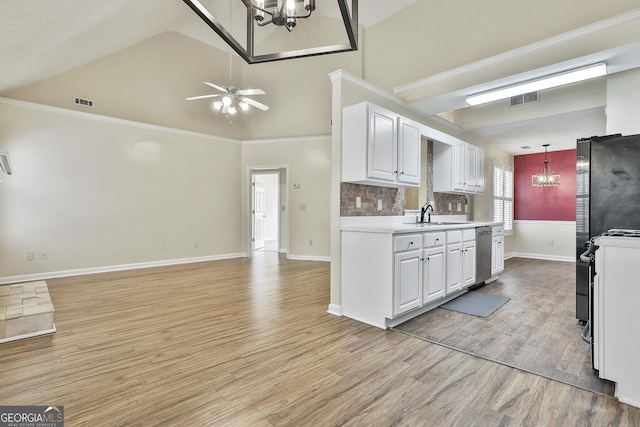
pixel 248 342
pixel 536 330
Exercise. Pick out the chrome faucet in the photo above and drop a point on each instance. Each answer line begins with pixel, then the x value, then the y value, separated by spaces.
pixel 425 209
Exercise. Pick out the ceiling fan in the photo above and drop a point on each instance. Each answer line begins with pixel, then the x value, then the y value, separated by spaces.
pixel 232 97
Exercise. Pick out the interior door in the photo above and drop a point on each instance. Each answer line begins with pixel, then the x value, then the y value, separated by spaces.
pixel 258 212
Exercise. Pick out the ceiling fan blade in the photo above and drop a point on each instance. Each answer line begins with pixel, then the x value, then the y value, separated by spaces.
pixel 220 88
pixel 191 98
pixel 250 92
pixel 255 104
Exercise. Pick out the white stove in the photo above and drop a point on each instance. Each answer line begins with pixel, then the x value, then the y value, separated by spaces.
pixel 614 319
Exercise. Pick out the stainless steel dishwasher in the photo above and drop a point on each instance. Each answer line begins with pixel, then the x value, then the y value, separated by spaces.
pixel 483 253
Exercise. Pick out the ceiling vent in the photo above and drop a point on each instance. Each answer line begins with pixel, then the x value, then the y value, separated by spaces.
pixel 525 98
pixel 83 102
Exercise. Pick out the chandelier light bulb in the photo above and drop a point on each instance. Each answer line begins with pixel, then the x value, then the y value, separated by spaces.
pixel 232 110
pixel 226 100
pixel 217 105
pixel 243 105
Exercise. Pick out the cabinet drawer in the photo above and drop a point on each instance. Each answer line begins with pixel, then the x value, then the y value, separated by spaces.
pixel 407 242
pixel 469 235
pixel 497 230
pixel 454 236
pixel 433 239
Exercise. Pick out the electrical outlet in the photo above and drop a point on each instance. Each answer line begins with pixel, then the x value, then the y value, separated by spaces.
pixel 379 204
pixel 459 207
pixel 449 206
pixel 43 254
pixel 358 202
pixel 310 242
pixel 550 242
pixel 31 256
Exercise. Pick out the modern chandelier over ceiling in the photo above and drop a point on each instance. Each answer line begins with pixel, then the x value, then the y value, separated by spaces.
pixel 544 178
pixel 250 36
pixel 284 13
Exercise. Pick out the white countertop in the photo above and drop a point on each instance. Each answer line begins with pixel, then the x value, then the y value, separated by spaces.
pixel 407 224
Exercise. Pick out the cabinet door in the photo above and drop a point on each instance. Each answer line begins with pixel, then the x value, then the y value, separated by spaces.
pixel 383 146
pixel 470 181
pixel 454 267
pixel 469 264
pixel 479 170
pixel 408 283
pixel 433 277
pixel 408 152
pixel 459 165
pixel 497 255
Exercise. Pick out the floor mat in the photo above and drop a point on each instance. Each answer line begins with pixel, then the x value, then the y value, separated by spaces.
pixel 476 303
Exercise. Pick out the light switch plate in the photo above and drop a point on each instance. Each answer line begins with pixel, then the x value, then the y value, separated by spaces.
pixel 379 204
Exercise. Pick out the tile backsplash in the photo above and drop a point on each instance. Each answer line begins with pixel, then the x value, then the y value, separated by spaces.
pixel 393 200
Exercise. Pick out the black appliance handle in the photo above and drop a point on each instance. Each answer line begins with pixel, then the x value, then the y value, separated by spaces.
pixel 584 257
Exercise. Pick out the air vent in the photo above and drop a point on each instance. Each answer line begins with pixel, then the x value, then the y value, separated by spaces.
pixel 524 99
pixel 84 102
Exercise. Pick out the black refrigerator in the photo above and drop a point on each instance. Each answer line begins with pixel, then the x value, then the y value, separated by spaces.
pixel 607 196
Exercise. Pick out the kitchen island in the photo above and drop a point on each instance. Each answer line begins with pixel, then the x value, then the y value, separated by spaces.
pixel 393 269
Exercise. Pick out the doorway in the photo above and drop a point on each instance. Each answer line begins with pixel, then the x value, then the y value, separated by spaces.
pixel 266 210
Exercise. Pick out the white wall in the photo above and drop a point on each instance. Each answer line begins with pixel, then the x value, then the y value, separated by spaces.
pixel 308 161
pixel 95 192
pixel 623 92
pixel 552 240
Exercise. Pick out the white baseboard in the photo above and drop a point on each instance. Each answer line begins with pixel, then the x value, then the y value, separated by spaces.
pixel 335 309
pixel 30 335
pixel 309 258
pixel 111 268
pixel 544 257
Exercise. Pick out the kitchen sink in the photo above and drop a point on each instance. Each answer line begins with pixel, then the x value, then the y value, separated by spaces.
pixel 427 224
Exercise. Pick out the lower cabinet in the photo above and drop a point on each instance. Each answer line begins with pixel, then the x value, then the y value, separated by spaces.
pixel 497 255
pixel 407 284
pixel 388 278
pixel 433 274
pixel 469 263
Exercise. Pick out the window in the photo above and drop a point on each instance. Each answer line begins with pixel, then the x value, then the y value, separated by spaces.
pixel 503 196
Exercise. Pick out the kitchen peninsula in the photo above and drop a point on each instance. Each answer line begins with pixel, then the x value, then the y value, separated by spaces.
pixel 394 269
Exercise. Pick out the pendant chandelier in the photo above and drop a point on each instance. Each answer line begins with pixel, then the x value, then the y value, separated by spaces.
pixel 283 13
pixel 333 28
pixel 544 178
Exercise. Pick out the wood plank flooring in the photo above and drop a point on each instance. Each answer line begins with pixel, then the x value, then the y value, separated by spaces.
pixel 248 342
pixel 536 330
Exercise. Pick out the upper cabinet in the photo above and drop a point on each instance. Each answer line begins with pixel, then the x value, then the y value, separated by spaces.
pixel 379 147
pixel 458 168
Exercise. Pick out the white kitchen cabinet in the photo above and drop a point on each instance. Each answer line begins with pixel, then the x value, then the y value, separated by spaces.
pixel 497 255
pixel 458 168
pixel 407 287
pixel 409 142
pixel 454 261
pixel 468 264
pixel 461 259
pixel 434 265
pixel 379 147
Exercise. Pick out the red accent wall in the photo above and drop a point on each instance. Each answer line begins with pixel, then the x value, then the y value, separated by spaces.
pixel 545 203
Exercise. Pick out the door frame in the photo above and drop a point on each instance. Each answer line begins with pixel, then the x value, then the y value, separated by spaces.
pixel 283 203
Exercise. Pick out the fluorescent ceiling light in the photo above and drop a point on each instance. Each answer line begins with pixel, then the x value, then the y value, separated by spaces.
pixel 548 82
